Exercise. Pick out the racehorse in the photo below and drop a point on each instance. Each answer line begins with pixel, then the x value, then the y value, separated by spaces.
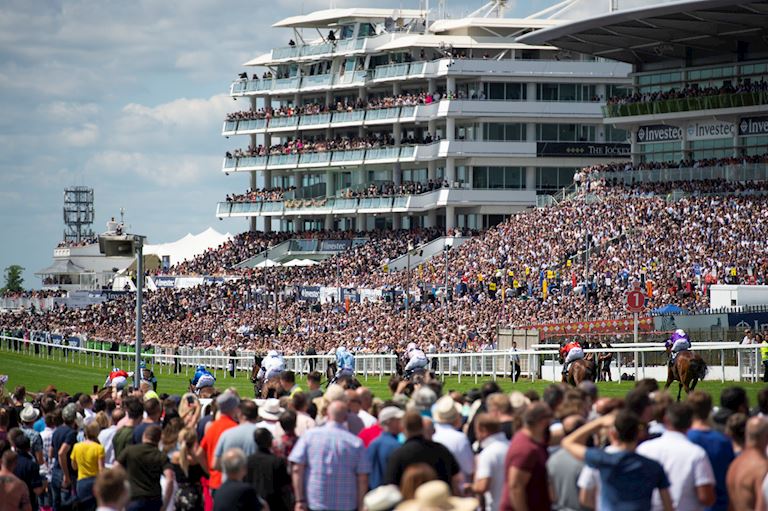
pixel 687 369
pixel 349 382
pixel 265 390
pixel 579 371
pixel 204 393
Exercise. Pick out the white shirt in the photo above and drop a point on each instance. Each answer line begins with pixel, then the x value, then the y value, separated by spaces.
pixel 105 439
pixel 368 419
pixel 686 465
pixel 490 464
pixel 458 444
pixel 513 356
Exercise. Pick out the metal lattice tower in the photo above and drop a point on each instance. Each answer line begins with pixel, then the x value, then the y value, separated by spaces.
pixel 78 214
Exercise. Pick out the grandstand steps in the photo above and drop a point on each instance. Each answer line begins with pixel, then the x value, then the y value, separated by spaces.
pixel 425 252
pixel 275 254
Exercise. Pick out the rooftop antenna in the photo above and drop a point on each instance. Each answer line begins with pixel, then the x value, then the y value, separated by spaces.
pixel 122 216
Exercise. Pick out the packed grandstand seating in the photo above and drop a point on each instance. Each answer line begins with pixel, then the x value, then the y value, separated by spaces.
pixel 691 91
pixel 390 188
pixel 299 146
pixel 713 232
pixel 264 194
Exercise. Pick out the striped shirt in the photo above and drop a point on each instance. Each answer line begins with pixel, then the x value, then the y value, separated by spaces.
pixel 333 458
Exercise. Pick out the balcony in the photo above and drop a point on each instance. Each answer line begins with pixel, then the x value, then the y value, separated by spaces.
pixel 729 173
pixel 692 104
pixel 458 197
pixel 389 154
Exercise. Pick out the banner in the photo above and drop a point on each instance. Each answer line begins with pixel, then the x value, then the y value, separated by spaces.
pixel 753 126
pixel 309 293
pixel 213 280
pixel 602 326
pixel 582 149
pixel 349 293
pixel 658 133
pixel 335 245
pixel 708 130
pixel 161 282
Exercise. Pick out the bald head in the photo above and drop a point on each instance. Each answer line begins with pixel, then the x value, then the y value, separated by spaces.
pixel 757 433
pixel 337 411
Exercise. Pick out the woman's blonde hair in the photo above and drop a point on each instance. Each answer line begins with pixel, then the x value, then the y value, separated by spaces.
pixel 187 441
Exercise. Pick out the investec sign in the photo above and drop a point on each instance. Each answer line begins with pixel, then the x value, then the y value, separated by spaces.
pixel 658 133
pixel 753 126
pixel 710 129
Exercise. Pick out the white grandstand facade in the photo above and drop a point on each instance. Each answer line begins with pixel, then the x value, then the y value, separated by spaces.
pixel 505 125
pixel 700 73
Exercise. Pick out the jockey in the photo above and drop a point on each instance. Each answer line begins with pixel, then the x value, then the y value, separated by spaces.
pixel 147 375
pixel 117 378
pixel 416 358
pixel 571 352
pixel 271 367
pixel 345 363
pixel 677 342
pixel 202 378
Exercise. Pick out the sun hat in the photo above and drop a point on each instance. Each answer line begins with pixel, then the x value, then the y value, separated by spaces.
pixel 437 495
pixel 390 412
pixel 29 413
pixel 271 410
pixel 446 410
pixel 382 498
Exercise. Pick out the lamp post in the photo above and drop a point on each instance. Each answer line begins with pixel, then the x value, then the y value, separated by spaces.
pixel 408 295
pixel 446 248
pixel 122 245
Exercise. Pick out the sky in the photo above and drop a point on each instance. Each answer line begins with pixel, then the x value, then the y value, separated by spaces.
pixel 129 98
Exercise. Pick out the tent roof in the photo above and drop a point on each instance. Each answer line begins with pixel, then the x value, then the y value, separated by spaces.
pixel 189 246
pixel 329 17
pixel 62 267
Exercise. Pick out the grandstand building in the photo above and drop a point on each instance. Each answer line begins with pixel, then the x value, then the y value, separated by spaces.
pixel 392 119
pixel 699 81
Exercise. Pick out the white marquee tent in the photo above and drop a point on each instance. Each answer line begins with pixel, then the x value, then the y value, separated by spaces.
pixel 189 246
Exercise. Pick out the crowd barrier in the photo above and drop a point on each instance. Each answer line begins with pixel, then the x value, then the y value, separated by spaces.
pixel 727 361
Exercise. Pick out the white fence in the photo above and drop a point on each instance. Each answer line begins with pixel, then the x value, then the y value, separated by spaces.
pixel 727 361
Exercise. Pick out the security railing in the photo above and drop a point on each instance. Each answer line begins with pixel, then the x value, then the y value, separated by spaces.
pixel 727 361
pixel 326 158
pixel 694 103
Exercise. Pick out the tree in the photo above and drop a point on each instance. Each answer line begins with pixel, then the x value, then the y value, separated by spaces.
pixel 13 280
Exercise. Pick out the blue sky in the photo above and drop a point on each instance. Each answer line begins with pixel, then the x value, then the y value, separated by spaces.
pixel 128 98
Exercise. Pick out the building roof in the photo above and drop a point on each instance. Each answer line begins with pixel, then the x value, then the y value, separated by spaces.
pixel 495 24
pixel 457 41
pixel 62 267
pixel 664 32
pixel 330 17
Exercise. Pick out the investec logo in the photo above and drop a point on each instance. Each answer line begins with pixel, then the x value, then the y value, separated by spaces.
pixel 716 129
pixel 753 126
pixel 659 133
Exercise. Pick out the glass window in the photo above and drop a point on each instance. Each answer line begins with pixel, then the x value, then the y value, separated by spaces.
pixel 551 179
pixel 496 90
pixel 615 134
pixel 495 177
pixel 718 148
pixel 514 132
pixel 660 152
pixel 547 92
pixel 566 132
pixel 513 177
pixel 548 132
pixel 754 146
pixel 567 92
pixel 515 91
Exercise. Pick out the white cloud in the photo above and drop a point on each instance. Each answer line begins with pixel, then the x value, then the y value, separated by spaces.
pixel 69 111
pixel 85 135
pixel 158 169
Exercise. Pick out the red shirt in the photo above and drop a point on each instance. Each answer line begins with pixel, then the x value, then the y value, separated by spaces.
pixel 370 434
pixel 526 454
pixel 209 442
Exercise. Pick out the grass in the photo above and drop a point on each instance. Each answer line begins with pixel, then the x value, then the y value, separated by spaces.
pixel 37 372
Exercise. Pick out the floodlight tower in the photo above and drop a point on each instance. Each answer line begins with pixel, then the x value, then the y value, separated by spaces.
pixel 78 214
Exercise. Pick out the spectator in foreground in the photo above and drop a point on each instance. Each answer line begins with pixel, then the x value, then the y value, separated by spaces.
pixel 228 404
pixel 88 460
pixel 447 418
pixel 717 446
pixel 14 491
pixel 627 480
pixel 269 474
pixel 748 471
pixel 418 449
pixel 564 470
pixel 234 494
pixel 111 490
pixel 384 445
pixel 341 484
pixel 489 473
pixel 64 437
pixel 526 462
pixel 144 464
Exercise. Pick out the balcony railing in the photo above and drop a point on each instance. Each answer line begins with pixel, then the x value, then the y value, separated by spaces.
pixel 321 159
pixel 311 50
pixel 670 106
pixel 745 172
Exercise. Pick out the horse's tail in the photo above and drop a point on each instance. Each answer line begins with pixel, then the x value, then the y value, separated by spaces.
pixel 698 367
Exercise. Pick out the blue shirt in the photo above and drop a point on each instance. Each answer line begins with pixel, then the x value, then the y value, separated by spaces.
pixel 627 480
pixel 720 453
pixel 333 457
pixel 345 361
pixel 63 435
pixel 378 455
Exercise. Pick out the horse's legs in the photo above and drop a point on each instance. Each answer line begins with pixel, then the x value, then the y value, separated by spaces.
pixel 679 389
pixel 670 378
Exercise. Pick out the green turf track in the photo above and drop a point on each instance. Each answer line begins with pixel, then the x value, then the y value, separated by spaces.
pixel 36 372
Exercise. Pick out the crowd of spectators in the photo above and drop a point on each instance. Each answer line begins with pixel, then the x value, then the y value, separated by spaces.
pixel 691 91
pixel 390 188
pixel 264 194
pixel 300 146
pixel 73 244
pixel 417 446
